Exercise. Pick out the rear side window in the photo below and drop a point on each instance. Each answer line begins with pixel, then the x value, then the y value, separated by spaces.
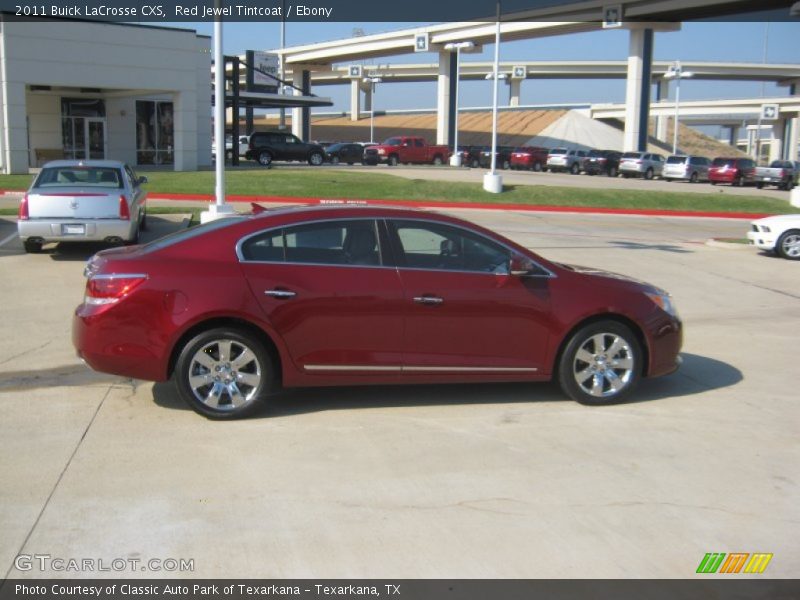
pixel 558 151
pixel 632 155
pixel 325 243
pixel 80 177
pixel 723 162
pixel 676 160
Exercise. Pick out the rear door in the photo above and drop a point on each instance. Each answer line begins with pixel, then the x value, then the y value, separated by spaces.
pixel 326 289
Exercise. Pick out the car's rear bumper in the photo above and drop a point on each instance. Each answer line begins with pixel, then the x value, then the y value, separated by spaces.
pixel 75 230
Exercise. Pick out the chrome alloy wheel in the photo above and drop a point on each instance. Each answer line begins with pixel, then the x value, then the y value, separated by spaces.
pixel 790 244
pixel 604 365
pixel 224 374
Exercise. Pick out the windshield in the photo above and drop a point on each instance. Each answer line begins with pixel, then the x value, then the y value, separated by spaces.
pixel 334 147
pixel 80 177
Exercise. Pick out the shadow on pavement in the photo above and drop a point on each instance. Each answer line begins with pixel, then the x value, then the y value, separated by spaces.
pixel 698 374
pixel 625 245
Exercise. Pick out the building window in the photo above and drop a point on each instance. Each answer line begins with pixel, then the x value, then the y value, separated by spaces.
pixel 83 128
pixel 154 133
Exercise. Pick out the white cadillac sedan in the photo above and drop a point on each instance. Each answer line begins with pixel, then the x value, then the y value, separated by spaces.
pixel 82 201
pixel 779 233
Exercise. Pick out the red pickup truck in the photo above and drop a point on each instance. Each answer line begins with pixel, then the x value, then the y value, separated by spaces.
pixel 403 149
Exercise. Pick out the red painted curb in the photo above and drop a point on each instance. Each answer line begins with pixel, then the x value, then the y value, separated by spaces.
pixel 654 212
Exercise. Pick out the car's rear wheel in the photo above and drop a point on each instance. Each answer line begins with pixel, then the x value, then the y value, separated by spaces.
pixel 537 166
pixel 601 363
pixel 648 174
pixel 739 181
pixel 334 160
pixel 694 178
pixel 316 159
pixel 224 373
pixel 393 161
pixel 612 171
pixel 506 165
pixel 574 169
pixel 760 185
pixel 32 247
pixel 788 245
pixel 437 160
pixel 264 158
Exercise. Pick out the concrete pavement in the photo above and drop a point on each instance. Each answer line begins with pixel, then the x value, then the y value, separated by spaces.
pixel 423 481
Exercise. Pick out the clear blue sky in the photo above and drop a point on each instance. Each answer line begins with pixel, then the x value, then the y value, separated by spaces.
pixel 738 42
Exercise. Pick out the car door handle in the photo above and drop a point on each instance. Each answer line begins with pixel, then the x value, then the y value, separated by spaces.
pixel 283 294
pixel 434 300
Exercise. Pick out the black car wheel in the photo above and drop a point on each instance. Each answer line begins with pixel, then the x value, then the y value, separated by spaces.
pixel 224 373
pixel 264 158
pixel 537 166
pixel 788 245
pixel 574 169
pixel 32 247
pixel 612 171
pixel 694 178
pixel 648 174
pixel 393 161
pixel 315 159
pixel 601 363
pixel 334 160
pixel 437 160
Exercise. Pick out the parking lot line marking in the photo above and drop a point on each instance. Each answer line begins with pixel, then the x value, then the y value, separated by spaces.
pixel 5 240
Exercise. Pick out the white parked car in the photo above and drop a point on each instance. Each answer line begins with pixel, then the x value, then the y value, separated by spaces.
pixel 83 201
pixel 780 233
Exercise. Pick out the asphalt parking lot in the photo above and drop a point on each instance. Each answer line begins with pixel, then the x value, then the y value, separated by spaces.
pixel 425 481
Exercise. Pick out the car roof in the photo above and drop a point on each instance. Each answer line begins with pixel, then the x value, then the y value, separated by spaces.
pixel 85 163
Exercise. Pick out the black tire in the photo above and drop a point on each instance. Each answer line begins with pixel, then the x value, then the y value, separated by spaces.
pixel 760 185
pixel 392 162
pixel 264 158
pixel 258 367
pixel 713 182
pixel 694 178
pixel 612 171
pixel 335 160
pixel 537 166
pixel 571 367
pixel 437 160
pixel 143 222
pixel 739 181
pixel 32 247
pixel 228 154
pixel 789 185
pixel 349 164
pixel 315 159
pixel 782 249
pixel 649 173
pixel 506 165
pixel 574 169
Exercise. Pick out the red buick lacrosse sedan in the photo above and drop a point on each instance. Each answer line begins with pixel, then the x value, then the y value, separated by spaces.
pixel 363 295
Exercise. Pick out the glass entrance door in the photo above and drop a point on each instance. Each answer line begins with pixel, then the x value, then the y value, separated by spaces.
pixel 84 137
pixel 96 138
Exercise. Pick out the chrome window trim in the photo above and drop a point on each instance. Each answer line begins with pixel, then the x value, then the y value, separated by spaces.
pixel 548 273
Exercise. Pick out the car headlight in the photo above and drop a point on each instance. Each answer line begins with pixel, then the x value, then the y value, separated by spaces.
pixel 381 151
pixel 765 229
pixel 664 301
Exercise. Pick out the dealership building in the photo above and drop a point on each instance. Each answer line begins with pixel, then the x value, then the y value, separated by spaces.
pixel 75 89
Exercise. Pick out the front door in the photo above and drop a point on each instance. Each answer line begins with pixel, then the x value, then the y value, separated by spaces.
pixel 464 312
pixel 96 139
pixel 85 137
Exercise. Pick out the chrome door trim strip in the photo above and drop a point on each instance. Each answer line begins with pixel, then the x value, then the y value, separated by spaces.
pixel 418 369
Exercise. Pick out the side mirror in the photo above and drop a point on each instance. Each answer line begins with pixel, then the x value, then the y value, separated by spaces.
pixel 520 266
pixel 142 180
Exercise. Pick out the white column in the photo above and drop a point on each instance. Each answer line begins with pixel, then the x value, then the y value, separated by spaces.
pixel 297 113
pixel 793 139
pixel 514 87
pixel 368 99
pixel 185 130
pixel 776 143
pixel 662 120
pixel 15 132
pixel 355 99
pixel 633 91
pixel 443 124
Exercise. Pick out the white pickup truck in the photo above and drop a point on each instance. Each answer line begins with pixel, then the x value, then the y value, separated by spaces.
pixel 781 173
pixel 244 142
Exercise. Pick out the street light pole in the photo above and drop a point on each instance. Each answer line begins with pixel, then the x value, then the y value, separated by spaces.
pixel 455 159
pixel 372 81
pixel 677 73
pixel 492 182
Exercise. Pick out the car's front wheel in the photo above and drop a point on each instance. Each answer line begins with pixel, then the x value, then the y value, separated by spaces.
pixel 224 373
pixel 315 159
pixel 601 363
pixel 788 245
pixel 264 158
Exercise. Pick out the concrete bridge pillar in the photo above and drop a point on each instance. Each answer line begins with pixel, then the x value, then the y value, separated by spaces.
pixel 446 98
pixel 301 121
pixel 662 93
pixel 368 99
pixel 776 145
pixel 514 89
pixel 637 93
pixel 355 99
pixel 793 134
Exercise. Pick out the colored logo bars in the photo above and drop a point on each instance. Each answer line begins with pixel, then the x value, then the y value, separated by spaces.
pixel 716 562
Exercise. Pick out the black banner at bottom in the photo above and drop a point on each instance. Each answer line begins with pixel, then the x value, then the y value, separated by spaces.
pixel 405 589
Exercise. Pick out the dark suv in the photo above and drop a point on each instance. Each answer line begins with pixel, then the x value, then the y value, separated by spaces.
pixel 602 161
pixel 266 146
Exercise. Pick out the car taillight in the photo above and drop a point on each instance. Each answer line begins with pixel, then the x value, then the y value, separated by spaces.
pixel 23 209
pixel 107 289
pixel 124 211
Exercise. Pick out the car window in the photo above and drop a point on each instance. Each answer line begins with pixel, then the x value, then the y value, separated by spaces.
pixel 325 243
pixel 80 177
pixel 442 247
pixel 676 160
pixel 632 155
pixel 558 151
pixel 290 139
pixel 723 162
pixel 419 143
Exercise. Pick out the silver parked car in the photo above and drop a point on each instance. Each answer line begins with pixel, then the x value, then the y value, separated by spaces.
pixel 82 201
pixel 564 159
pixel 686 168
pixel 641 164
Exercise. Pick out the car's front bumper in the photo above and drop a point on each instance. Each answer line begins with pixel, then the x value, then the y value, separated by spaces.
pixel 75 230
pixel 764 240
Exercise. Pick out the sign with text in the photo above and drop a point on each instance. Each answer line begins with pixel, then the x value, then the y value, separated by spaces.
pixel 263 71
